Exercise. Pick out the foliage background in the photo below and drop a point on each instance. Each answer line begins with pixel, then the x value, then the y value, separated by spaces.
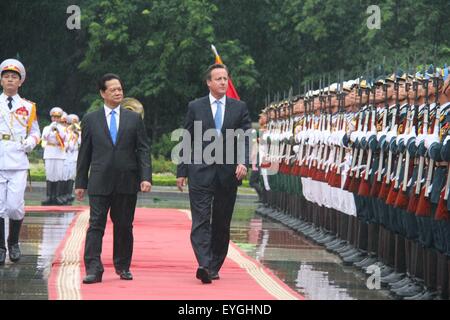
pixel 161 47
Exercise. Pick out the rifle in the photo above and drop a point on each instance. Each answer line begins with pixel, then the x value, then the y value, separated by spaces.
pixel 364 187
pixel 342 127
pixel 423 206
pixel 376 187
pixel 385 186
pixel 442 208
pixel 349 178
pixel 402 199
pixel 365 112
pixel 395 187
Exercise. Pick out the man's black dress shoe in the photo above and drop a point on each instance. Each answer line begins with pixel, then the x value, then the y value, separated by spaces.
pixel 92 278
pixel 214 276
pixel 124 275
pixel 203 275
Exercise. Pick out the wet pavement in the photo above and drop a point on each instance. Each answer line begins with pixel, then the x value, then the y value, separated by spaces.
pixel 304 266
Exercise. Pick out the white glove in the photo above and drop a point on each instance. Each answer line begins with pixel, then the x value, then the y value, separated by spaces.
pixel 296 149
pixel 28 144
pixel 446 140
pixel 411 135
pixel 421 137
pixel 354 135
pixel 339 137
pixel 370 134
pixel 400 138
pixel 430 139
pixel 381 134
pixel 326 137
pixel 391 134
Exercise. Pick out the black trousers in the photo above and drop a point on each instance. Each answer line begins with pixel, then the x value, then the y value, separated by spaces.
pixel 212 209
pixel 121 207
pixel 255 183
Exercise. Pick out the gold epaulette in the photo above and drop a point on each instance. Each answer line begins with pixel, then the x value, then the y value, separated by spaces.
pixel 29 101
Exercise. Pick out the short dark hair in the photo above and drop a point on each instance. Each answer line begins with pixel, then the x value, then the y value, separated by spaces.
pixel 212 67
pixel 107 77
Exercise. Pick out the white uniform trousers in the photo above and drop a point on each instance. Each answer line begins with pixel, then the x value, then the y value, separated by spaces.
pixel 66 170
pixel 72 170
pixel 265 179
pixel 54 169
pixel 12 192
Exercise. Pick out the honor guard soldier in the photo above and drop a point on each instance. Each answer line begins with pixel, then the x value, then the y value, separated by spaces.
pixel 73 138
pixel 19 134
pixel 53 142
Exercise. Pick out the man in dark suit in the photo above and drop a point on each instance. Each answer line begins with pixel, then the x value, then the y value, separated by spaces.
pixel 116 149
pixel 213 184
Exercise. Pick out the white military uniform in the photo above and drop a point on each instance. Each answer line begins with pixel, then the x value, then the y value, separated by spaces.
pixel 73 145
pixel 19 134
pixel 54 137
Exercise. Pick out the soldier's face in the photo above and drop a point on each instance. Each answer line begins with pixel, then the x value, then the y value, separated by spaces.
pixel 113 95
pixel 218 84
pixel 402 92
pixel 10 82
pixel 56 119
pixel 379 95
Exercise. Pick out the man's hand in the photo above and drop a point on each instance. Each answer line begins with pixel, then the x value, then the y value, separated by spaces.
pixel 146 186
pixel 79 194
pixel 181 183
pixel 241 171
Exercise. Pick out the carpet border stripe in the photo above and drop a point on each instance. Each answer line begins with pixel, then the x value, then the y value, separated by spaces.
pixel 258 273
pixel 68 279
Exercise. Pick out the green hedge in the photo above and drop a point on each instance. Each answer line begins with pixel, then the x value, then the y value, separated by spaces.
pixel 163 173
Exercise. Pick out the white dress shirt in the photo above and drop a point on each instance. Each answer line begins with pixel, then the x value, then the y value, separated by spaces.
pixel 108 111
pixel 15 101
pixel 213 104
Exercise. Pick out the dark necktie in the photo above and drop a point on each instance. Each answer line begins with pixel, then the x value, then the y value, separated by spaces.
pixel 10 99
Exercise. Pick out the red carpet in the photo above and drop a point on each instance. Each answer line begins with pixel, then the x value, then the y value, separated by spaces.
pixel 163 266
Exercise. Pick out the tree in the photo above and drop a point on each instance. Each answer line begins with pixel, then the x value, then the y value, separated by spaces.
pixel 160 49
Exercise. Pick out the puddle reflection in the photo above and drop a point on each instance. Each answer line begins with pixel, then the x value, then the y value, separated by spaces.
pixel 304 266
pixel 40 236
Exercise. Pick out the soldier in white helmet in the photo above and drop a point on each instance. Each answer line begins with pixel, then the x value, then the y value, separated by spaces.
pixel 19 134
pixel 73 139
pixel 64 178
pixel 53 142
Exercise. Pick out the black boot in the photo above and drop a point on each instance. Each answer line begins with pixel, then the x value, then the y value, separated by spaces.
pixel 2 242
pixel 13 239
pixel 49 200
pixel 71 196
pixel 60 193
pixel 64 196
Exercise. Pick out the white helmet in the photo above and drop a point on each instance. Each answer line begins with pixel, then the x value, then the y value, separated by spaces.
pixel 15 66
pixel 73 118
pixel 56 111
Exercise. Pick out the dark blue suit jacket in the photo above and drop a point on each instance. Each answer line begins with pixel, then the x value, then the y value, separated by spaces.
pixel 236 117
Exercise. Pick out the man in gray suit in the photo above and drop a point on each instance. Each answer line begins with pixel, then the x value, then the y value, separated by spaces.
pixel 213 185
